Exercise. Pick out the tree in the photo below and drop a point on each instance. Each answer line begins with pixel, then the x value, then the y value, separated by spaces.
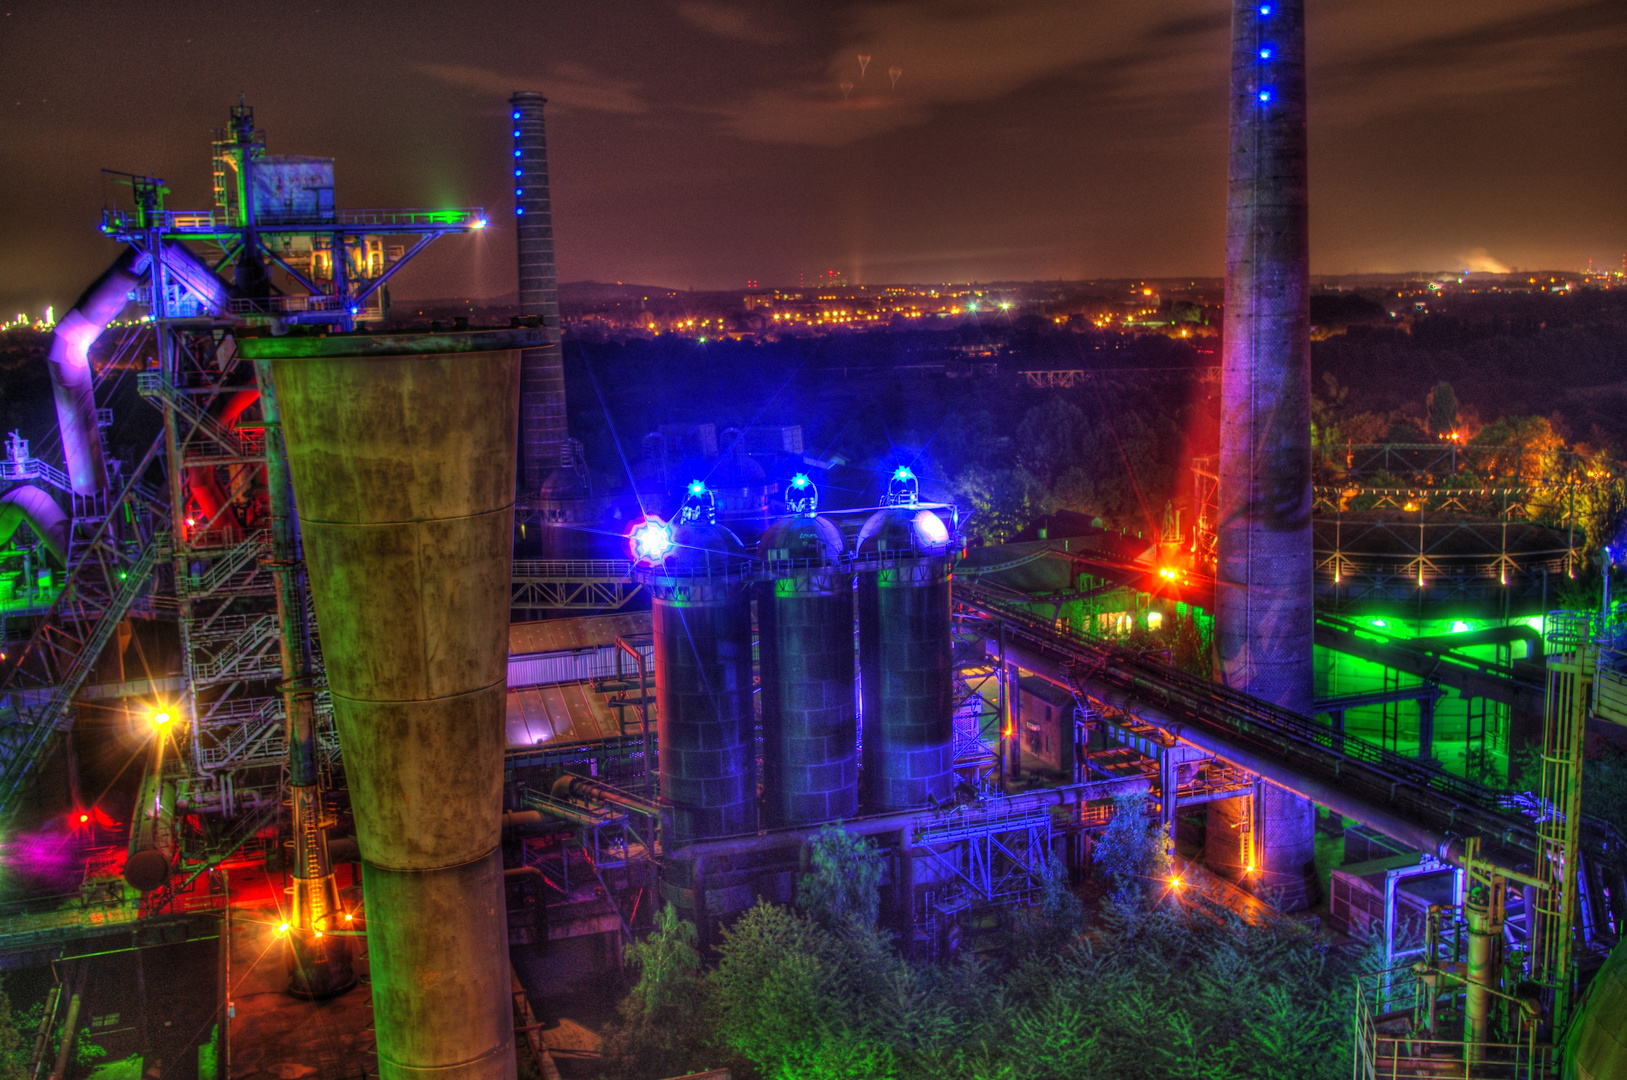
pixel 1131 852
pixel 1442 407
pixel 842 886
pixel 661 1030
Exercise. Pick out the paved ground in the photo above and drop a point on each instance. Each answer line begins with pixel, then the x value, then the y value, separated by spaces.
pixel 278 1037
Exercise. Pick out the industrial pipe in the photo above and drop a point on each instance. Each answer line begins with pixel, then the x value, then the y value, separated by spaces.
pixel 402 453
pixel 73 385
pixel 31 506
pixel 152 834
pixel 318 961
pixel 70 1027
pixel 571 786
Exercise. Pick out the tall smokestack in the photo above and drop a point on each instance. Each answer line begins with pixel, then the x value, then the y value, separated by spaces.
pixel 542 371
pixel 401 450
pixel 1264 617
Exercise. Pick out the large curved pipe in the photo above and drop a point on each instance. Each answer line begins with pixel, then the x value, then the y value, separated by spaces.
pixel 31 506
pixel 72 384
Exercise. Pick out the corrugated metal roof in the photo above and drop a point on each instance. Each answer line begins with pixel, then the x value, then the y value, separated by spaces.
pixel 565 713
pixel 586 632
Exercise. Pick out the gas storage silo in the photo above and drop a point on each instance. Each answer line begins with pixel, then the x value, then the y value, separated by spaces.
pixel 805 645
pixel 696 572
pixel 904 658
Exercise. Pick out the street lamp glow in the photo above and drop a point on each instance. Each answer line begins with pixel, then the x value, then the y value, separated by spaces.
pixel 160 717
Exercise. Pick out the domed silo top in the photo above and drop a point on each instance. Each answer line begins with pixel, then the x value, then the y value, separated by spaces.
pixel 904 531
pixel 806 540
pixel 704 550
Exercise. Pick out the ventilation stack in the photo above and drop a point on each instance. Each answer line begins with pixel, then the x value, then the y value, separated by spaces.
pixel 542 372
pixel 904 659
pixel 805 639
pixel 1264 617
pixel 401 450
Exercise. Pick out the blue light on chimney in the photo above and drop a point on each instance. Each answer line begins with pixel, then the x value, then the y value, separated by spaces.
pixel 1265 95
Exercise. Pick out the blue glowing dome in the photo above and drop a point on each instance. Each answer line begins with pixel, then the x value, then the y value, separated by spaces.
pixel 904 531
pixel 805 539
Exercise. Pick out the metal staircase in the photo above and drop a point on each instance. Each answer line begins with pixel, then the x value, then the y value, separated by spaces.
pixel 34 716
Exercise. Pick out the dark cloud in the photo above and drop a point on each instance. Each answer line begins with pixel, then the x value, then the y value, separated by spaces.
pixel 704 142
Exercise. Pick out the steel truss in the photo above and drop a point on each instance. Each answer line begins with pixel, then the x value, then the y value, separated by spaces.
pixel 579 585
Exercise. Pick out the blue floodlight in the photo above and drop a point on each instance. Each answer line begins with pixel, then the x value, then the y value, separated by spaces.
pixel 803 496
pixel 516 153
pixel 650 541
pixel 1265 95
pixel 516 114
pixel 903 472
pixel 1265 52
pixel 1265 9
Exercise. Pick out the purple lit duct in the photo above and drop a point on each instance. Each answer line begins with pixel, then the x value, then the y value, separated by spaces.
pixel 542 372
pixel 74 385
pixel 1264 617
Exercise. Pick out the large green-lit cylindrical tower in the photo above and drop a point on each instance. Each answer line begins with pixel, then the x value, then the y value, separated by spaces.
pixel 402 454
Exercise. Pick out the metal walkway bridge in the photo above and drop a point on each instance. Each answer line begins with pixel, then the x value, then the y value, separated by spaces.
pixel 1413 801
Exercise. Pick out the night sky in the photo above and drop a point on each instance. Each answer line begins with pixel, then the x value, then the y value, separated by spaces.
pixel 698 143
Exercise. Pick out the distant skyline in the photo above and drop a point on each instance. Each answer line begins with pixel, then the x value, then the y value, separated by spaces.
pixel 699 143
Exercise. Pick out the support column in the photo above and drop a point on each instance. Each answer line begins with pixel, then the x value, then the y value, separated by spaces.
pixel 318 962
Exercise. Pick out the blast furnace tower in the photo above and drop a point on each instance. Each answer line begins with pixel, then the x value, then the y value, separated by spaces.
pixel 1263 588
